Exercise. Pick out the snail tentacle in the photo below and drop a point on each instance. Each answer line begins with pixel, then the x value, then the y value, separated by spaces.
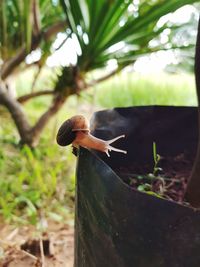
pixel 111 148
pixel 115 139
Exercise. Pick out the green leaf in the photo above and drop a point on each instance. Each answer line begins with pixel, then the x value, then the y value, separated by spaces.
pixel 28 23
pixel 154 153
pixel 153 194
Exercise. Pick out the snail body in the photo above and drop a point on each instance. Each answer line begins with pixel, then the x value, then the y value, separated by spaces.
pixel 76 131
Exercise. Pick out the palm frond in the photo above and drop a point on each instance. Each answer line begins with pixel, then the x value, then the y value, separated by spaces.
pixel 111 23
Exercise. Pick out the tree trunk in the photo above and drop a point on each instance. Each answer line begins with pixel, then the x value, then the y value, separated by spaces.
pixel 192 194
pixel 29 135
pixel 17 114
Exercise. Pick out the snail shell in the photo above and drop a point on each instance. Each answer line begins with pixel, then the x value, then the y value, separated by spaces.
pixel 67 131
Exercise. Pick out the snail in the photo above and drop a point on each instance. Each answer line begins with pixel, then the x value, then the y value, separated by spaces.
pixel 76 131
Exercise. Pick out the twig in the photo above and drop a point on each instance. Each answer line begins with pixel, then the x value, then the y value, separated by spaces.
pixel 42 253
pixel 103 78
pixel 29 255
pixel 12 234
pixel 36 17
pixel 24 98
pixel 14 62
pixel 36 77
pixel 134 175
pixel 63 42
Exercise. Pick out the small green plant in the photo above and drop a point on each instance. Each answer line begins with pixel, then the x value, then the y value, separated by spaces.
pixel 146 183
pixel 156 184
pixel 156 158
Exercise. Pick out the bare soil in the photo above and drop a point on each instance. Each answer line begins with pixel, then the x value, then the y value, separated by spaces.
pixel 26 246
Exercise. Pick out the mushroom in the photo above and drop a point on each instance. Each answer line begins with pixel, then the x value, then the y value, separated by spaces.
pixel 76 131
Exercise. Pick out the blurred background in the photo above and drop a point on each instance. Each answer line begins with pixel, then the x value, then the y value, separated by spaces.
pixel 61 58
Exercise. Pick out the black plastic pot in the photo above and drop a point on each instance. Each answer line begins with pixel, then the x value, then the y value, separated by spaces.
pixel 117 226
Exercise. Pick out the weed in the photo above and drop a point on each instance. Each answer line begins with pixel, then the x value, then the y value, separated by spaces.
pixel 156 158
pixel 146 183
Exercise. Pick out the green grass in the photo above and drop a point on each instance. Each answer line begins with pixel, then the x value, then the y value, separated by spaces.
pixel 35 183
pixel 132 89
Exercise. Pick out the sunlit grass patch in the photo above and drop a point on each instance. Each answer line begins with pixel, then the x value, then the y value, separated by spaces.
pixel 132 89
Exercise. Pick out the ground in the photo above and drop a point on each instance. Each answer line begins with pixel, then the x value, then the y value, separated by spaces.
pixel 26 246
